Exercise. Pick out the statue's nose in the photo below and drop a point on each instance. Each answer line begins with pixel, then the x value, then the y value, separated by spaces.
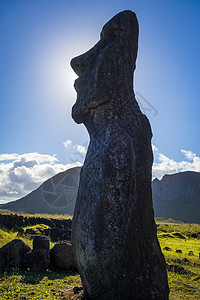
pixel 81 64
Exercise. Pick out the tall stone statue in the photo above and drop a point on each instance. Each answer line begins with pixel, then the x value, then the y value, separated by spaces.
pixel 114 233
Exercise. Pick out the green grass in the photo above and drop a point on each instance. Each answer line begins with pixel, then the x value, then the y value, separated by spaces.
pixel 51 285
pixel 37 285
pixel 7 236
pixel 38 229
pixel 29 215
pixel 178 236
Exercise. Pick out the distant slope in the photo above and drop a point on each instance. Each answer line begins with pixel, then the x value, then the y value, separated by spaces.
pixel 57 195
pixel 177 196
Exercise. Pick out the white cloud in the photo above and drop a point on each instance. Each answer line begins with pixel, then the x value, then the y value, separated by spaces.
pixel 188 154
pixel 77 152
pixel 67 143
pixel 81 149
pixel 4 157
pixel 167 165
pixel 22 173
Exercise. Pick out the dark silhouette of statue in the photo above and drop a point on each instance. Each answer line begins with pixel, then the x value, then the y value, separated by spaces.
pixel 114 233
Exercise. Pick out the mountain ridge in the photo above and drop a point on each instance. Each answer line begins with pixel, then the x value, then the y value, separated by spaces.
pixel 56 195
pixel 175 196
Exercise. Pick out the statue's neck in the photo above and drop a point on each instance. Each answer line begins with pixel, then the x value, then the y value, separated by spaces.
pixel 110 113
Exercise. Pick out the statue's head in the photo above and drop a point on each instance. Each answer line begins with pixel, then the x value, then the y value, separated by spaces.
pixel 106 70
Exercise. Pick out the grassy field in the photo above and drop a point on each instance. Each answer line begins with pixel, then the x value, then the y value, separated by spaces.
pixel 24 285
pixel 180 244
pixel 28 215
pixel 183 267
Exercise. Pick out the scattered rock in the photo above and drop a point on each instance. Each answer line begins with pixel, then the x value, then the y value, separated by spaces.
pixel 177 260
pixel 186 261
pixel 194 235
pixel 12 254
pixel 62 257
pixel 176 268
pixel 77 289
pixel 188 272
pixel 167 249
pixel 183 261
pixel 185 285
pixel 179 235
pixel 180 270
pixel 190 253
pixel 179 251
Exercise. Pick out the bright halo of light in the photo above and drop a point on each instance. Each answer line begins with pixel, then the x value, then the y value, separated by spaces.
pixel 57 76
pixel 53 75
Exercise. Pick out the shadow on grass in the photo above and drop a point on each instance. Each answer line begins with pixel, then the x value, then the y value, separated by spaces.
pixel 34 277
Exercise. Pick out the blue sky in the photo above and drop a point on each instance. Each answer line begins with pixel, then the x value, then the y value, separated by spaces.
pixel 39 38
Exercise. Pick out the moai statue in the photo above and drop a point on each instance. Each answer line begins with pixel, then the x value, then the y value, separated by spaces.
pixel 114 233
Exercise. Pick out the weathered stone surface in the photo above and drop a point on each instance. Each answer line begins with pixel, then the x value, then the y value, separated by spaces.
pixel 41 242
pixel 37 260
pixel 62 256
pixel 12 254
pixel 113 231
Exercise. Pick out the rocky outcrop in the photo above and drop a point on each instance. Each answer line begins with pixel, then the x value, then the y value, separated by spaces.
pixel 177 196
pixel 57 195
pixel 113 230
pixel 62 257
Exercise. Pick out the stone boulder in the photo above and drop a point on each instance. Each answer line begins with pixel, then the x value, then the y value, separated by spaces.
pixel 12 254
pixel 41 242
pixel 38 259
pixel 62 257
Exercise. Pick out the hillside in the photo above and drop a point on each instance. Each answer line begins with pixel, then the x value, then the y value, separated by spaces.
pixel 177 196
pixel 57 195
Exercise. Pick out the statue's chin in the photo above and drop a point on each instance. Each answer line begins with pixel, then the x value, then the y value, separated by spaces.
pixel 77 114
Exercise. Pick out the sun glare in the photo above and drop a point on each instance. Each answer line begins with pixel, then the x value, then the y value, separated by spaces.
pixel 54 77
pixel 59 77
